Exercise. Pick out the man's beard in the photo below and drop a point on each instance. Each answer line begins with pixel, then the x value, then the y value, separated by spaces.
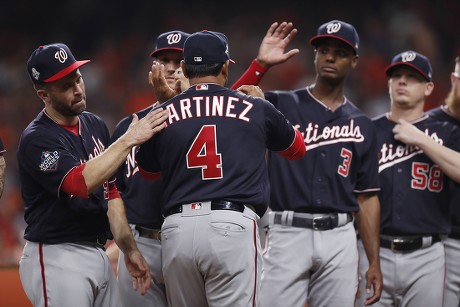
pixel 71 110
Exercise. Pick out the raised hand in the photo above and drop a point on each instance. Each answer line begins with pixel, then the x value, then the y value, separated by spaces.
pixel 273 46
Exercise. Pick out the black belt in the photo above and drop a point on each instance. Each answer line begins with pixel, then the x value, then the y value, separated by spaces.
pixel 149 233
pixel 326 222
pixel 98 243
pixel 404 244
pixel 215 205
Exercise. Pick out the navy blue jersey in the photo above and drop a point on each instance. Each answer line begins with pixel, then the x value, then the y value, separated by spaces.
pixel 415 193
pixel 441 114
pixel 141 196
pixel 46 154
pixel 341 157
pixel 2 147
pixel 214 147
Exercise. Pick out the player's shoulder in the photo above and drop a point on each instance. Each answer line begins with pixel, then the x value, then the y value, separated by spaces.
pixel 124 123
pixel 300 94
pixel 441 113
pixel 380 118
pixel 91 117
pixel 350 110
pixel 435 111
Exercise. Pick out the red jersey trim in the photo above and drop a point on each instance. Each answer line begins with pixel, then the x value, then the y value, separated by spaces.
pixel 297 149
pixel 150 175
pixel 42 270
pixel 74 183
pixel 252 76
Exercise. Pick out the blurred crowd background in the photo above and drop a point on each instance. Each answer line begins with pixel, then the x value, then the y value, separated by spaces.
pixel 118 37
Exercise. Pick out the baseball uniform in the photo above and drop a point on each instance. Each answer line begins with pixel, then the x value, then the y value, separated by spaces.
pixel 215 186
pixel 64 261
pixel 64 233
pixel 142 197
pixel 311 255
pixel 321 187
pixel 452 242
pixel 143 211
pixel 415 194
pixel 415 201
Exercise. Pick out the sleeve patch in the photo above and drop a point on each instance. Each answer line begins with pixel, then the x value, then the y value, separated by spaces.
pixel 49 161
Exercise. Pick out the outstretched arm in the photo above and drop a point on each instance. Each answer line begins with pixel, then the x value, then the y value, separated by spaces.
pixel 101 168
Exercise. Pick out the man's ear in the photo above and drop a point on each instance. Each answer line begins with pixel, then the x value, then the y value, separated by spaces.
pixel 43 94
pixel 184 71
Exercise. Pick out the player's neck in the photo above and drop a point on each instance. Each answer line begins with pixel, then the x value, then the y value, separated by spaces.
pixel 61 119
pixel 453 106
pixel 409 115
pixel 331 96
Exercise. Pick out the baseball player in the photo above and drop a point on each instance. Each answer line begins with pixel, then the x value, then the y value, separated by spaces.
pixel 71 203
pixel 418 158
pixel 215 186
pixel 141 196
pixel 450 113
pixel 143 214
pixel 2 167
pixel 311 255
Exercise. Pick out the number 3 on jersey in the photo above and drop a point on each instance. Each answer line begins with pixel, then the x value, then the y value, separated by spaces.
pixel 203 154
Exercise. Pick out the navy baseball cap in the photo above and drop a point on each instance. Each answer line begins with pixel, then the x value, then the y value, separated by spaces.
pixel 52 62
pixel 413 59
pixel 173 40
pixel 340 30
pixel 206 47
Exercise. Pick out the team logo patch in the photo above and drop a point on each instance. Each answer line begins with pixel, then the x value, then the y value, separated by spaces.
pixel 174 38
pixel 202 87
pixel 196 206
pixel 408 56
pixel 35 73
pixel 61 55
pixel 49 161
pixel 333 27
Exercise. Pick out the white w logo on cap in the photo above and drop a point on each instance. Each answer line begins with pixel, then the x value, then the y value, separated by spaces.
pixel 408 56
pixel 333 27
pixel 174 38
pixel 61 55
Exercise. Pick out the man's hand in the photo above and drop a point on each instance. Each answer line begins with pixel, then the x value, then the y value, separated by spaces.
pixel 407 133
pixel 139 270
pixel 139 131
pixel 252 90
pixel 182 83
pixel 273 46
pixel 374 285
pixel 160 86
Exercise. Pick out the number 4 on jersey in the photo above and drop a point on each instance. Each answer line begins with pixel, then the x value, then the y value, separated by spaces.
pixel 203 154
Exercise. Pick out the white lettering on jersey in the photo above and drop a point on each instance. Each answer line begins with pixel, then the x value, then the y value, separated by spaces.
pixel 131 164
pixel 391 155
pixel 331 135
pixel 217 106
pixel 98 148
pixel 210 106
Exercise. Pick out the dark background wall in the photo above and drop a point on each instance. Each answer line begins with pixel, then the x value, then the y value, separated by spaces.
pixel 118 37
